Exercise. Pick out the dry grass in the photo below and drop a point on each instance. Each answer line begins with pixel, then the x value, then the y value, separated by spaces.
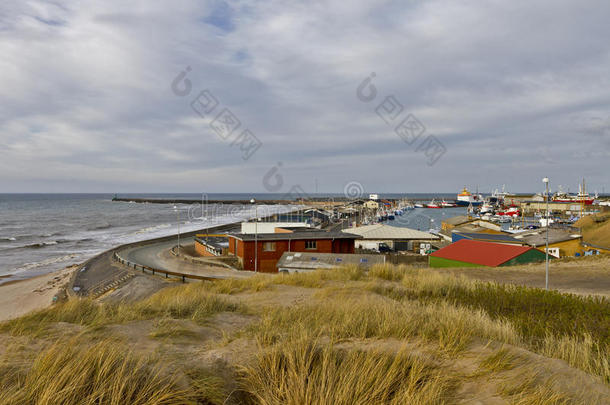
pixel 452 328
pixel 306 372
pixel 572 328
pixel 580 352
pixel 500 360
pixel 298 360
pixel 70 373
pixel 191 301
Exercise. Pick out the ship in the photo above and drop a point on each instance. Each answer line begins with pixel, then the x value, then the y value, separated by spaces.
pixel 465 198
pixel 581 198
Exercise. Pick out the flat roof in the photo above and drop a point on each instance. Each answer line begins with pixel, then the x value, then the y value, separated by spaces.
pixel 294 235
pixel 491 237
pixel 388 232
pixel 307 260
pixel 537 237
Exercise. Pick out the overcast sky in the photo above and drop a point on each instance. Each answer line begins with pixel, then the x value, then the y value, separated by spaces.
pixel 508 92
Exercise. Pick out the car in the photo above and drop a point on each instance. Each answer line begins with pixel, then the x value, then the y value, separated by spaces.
pixel 384 248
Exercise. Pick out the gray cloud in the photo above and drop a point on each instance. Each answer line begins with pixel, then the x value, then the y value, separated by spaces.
pixel 516 91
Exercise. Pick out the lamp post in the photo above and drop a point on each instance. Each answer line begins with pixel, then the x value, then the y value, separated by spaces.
pixel 253 201
pixel 178 218
pixel 546 182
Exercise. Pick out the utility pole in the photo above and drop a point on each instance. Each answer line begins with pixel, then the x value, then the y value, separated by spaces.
pixel 253 201
pixel 178 218
pixel 546 182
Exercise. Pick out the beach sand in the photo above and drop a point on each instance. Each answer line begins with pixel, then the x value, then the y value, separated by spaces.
pixel 20 297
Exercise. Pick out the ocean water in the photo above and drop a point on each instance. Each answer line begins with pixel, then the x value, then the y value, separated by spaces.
pixel 40 233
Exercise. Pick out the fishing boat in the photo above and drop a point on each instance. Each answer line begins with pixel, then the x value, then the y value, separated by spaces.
pixel 433 204
pixel 581 198
pixel 466 198
pixel 510 212
pixel 418 205
pixel 446 204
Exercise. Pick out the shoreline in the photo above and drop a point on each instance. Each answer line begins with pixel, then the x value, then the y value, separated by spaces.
pixel 19 297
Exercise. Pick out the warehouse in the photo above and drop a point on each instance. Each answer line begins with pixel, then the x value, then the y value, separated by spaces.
pixel 471 253
pixel 396 238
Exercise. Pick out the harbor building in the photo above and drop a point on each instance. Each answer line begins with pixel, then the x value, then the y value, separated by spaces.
pixel 472 253
pixel 268 248
pixel 396 238
pixel 562 242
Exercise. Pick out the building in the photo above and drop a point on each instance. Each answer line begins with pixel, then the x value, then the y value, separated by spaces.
pixel 486 237
pixel 370 204
pixel 462 221
pixel 395 237
pixel 270 227
pixel 297 262
pixel 271 246
pixel 562 242
pixel 472 253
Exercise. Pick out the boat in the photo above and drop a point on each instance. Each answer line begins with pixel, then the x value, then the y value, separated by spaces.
pixel 433 204
pixel 487 208
pixel 446 204
pixel 581 198
pixel 391 217
pixel 511 212
pixel 418 205
pixel 466 198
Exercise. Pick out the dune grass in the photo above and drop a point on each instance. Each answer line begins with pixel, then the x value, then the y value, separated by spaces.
pixel 191 301
pixel 91 374
pixel 452 328
pixel 565 326
pixel 299 359
pixel 500 360
pixel 308 372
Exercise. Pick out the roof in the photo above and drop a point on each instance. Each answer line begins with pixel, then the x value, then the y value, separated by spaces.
pixel 387 232
pixel 489 237
pixel 482 253
pixel 302 260
pixel 537 237
pixel 457 220
pixel 293 235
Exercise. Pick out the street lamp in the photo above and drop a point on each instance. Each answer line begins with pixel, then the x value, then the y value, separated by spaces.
pixel 178 218
pixel 546 182
pixel 253 201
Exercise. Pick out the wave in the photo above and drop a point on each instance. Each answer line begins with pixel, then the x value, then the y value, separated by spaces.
pixel 152 228
pixel 98 227
pixel 8 238
pixel 38 245
pixel 46 262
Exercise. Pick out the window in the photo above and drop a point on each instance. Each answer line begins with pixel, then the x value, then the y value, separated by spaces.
pixel 311 244
pixel 269 247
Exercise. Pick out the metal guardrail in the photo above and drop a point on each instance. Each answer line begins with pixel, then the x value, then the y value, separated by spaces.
pixel 167 273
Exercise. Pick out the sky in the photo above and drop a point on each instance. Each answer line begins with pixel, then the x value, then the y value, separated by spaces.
pixel 303 97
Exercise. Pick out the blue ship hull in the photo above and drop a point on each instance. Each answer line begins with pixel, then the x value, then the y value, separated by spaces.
pixel 466 203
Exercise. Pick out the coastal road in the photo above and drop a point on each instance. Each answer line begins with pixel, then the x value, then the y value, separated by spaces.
pixel 148 255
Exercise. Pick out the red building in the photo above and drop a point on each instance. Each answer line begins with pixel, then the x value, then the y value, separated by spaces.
pixel 271 246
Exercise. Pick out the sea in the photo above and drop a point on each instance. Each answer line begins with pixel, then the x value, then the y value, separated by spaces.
pixel 41 233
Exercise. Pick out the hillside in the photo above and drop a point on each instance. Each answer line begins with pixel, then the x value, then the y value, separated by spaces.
pixel 596 229
pixel 394 335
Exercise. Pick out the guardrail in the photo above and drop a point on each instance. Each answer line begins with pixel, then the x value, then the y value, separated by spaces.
pixel 167 273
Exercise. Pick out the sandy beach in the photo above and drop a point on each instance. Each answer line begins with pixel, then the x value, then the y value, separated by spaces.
pixel 20 297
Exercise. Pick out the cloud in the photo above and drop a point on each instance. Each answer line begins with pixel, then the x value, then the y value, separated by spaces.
pixel 515 91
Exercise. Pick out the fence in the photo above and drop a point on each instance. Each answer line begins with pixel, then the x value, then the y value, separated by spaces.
pixel 151 270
